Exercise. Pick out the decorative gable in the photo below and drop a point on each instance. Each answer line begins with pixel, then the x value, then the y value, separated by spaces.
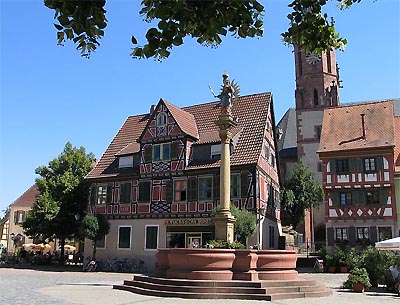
pixel 168 122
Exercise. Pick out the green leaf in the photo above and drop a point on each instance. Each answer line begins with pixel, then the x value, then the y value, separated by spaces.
pixel 58 27
pixel 133 39
pixel 177 41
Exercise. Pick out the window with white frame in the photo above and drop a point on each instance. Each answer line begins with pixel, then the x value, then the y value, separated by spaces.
pixel 104 194
pixel 161 152
pixel 162 119
pixel 180 190
pixel 362 233
pixel 205 188
pixel 215 151
pixel 151 238
pixel 125 161
pixel 235 185
pixel 19 216
pixel 341 234
pixel 369 165
pixel 124 237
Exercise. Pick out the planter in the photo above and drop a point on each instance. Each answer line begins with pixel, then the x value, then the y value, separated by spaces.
pixel 331 269
pixel 276 265
pixel 358 287
pixel 343 269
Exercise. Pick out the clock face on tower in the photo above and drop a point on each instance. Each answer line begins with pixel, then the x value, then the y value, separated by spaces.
pixel 313 58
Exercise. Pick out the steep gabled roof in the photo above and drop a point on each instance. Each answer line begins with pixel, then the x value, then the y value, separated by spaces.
pixel 27 199
pixel 343 130
pixel 184 119
pixel 251 111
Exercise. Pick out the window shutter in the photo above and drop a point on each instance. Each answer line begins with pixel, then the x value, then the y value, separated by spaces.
pixel 362 198
pixel 109 194
pixel 352 165
pixel 333 166
pixel 352 235
pixel 148 154
pixel 244 185
pixel 23 215
pixel 15 217
pixel 373 234
pixel 329 232
pixel 379 163
pixel 355 197
pixel 93 195
pixel 174 151
pixel 335 199
pixel 192 189
pixel 359 165
pixel 382 197
pixel 169 191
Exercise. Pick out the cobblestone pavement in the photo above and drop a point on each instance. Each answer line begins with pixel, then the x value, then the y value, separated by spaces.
pixel 62 287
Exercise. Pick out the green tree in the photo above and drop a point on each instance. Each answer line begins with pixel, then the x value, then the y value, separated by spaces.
pixel 84 23
pixel 63 197
pixel 95 227
pixel 301 192
pixel 245 224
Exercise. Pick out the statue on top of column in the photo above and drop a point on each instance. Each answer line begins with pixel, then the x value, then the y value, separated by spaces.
pixel 229 94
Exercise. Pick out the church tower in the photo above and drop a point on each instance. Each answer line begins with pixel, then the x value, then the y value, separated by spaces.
pixel 317 87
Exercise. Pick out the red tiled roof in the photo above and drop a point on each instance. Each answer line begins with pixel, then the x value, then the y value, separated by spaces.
pixel 131 148
pixel 342 127
pixel 251 111
pixel 27 199
pixel 184 119
pixel 397 143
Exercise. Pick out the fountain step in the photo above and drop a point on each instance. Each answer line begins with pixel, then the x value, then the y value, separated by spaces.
pixel 195 289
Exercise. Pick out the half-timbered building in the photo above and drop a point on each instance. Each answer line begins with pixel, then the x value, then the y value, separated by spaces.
pixel 158 180
pixel 358 153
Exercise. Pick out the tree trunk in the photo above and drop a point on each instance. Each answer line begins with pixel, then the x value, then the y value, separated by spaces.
pixel 62 251
pixel 94 250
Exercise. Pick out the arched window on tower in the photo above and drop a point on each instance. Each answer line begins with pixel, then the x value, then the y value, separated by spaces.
pixel 315 97
pixel 328 61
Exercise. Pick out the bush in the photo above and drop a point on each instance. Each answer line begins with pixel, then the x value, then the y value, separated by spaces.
pixel 218 244
pixel 357 275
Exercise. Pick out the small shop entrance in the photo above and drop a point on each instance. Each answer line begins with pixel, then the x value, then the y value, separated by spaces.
pixel 183 237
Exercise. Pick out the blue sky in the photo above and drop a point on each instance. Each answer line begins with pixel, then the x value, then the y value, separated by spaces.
pixel 50 95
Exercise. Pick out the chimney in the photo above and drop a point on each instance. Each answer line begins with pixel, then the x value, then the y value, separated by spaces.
pixel 363 125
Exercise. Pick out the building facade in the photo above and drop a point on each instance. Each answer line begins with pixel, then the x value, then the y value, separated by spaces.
pixel 358 153
pixel 158 181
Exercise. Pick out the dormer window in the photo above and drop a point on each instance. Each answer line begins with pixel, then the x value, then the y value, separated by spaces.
pixel 125 161
pixel 162 119
pixel 216 151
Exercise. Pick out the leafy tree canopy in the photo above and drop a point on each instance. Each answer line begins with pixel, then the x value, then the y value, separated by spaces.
pixel 84 23
pixel 301 192
pixel 95 227
pixel 63 196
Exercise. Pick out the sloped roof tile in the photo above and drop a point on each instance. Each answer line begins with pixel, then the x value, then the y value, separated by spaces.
pixel 342 127
pixel 251 111
pixel 27 199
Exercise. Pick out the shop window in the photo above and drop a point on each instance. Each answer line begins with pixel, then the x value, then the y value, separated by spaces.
pixel 124 237
pixel 151 242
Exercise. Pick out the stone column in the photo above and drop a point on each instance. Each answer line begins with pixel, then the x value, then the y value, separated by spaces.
pixel 224 221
